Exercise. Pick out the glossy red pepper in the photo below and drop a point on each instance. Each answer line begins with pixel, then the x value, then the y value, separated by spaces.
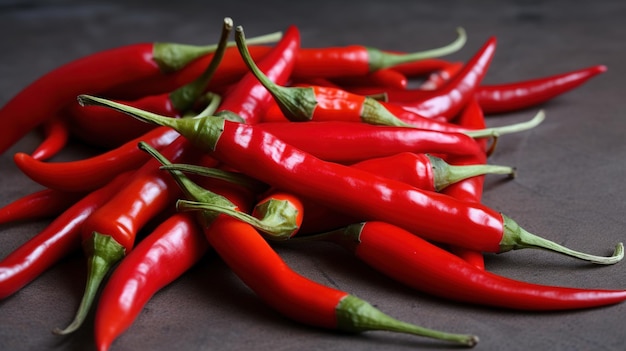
pixel 434 216
pixel 60 238
pixel 450 99
pixel 519 95
pixel 230 70
pixel 419 170
pixel 41 204
pixel 318 103
pixel 358 61
pixel 91 173
pixel 383 78
pixel 56 134
pixel 346 142
pixel 94 73
pixel 421 68
pixel 106 128
pixel 440 78
pixel 160 258
pixel 109 233
pixel 254 261
pixel 421 265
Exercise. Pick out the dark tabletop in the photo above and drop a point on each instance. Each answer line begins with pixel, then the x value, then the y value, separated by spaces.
pixel 569 186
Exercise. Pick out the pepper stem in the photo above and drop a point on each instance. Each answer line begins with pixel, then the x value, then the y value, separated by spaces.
pixel 184 97
pixel 279 223
pixel 231 177
pixel 380 59
pixel 103 252
pixel 357 315
pixel 373 112
pixel 508 129
pixel 297 103
pixel 171 57
pixel 189 187
pixel 446 174
pixel 515 237
pixel 211 126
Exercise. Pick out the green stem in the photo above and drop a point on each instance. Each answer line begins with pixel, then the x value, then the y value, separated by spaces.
pixel 279 224
pixel 184 97
pixel 296 103
pixel 508 129
pixel 189 187
pixel 231 177
pixel 515 237
pixel 356 315
pixel 171 57
pixel 373 112
pixel 446 174
pixel 379 59
pixel 203 131
pixel 103 252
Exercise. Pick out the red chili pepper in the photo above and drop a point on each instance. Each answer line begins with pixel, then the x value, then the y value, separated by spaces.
pixel 248 97
pixel 421 67
pixel 419 170
pixel 41 204
pixel 434 216
pixel 104 127
pixel 318 103
pixel 109 233
pixel 358 61
pixel 254 261
pixel 56 134
pixel 514 96
pixel 160 258
pixel 95 73
pixel 440 78
pixel 346 142
pixel 57 240
pixel 383 78
pixel 454 95
pixel 93 172
pixel 428 268
pixel 230 70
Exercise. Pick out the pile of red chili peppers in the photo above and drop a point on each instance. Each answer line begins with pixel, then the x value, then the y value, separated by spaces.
pixel 241 146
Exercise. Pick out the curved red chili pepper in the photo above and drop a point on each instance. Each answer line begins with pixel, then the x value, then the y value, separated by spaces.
pixel 428 268
pixel 248 97
pixel 422 171
pixel 358 61
pixel 318 103
pixel 440 78
pixel 104 127
pixel 383 78
pixel 94 73
pixel 160 258
pixel 57 240
pixel 93 172
pixel 254 261
pixel 56 134
pixel 519 95
pixel 41 204
pixel 421 67
pixel 434 216
pixel 345 142
pixel 454 95
pixel 109 233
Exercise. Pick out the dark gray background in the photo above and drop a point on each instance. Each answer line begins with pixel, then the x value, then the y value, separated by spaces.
pixel 569 187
